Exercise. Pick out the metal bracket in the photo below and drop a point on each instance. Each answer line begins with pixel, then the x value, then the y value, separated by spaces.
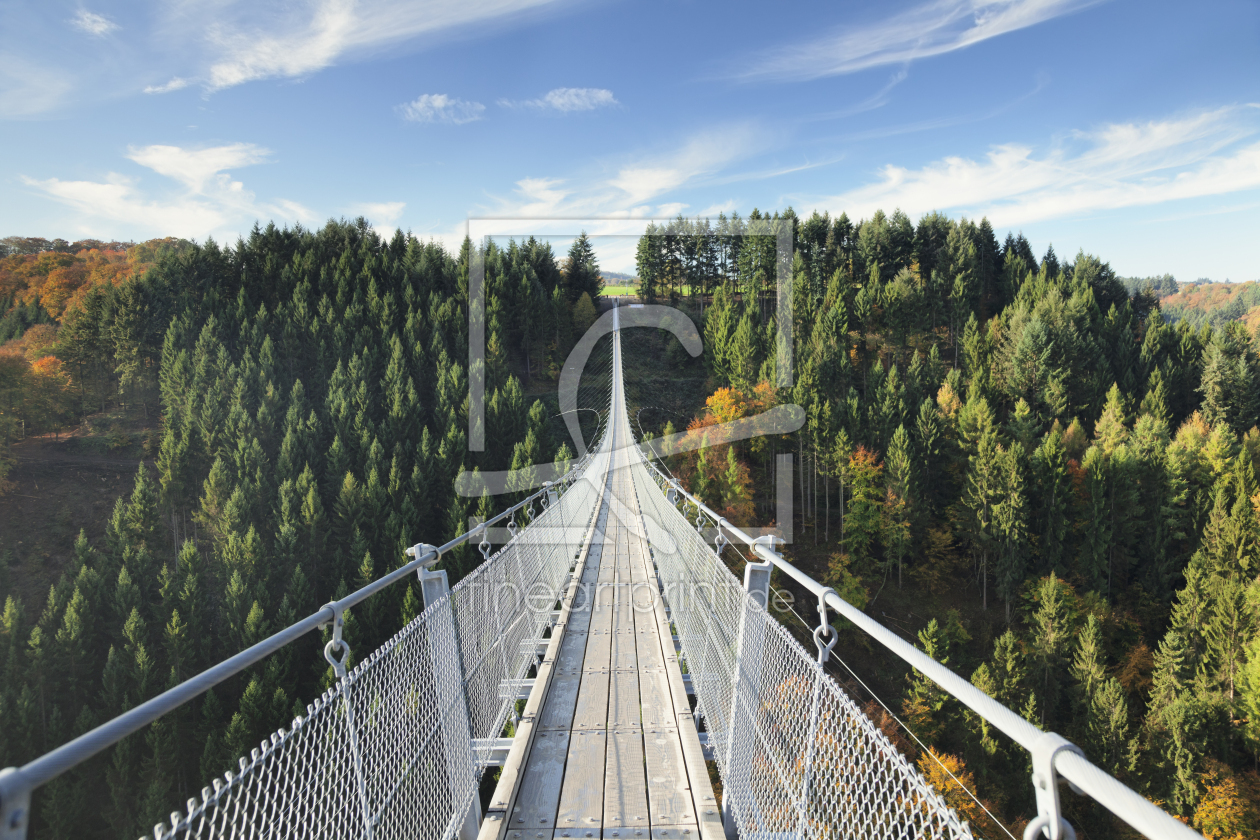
pixel 336 642
pixel 15 804
pixel 420 549
pixel 1050 820
pixel 770 541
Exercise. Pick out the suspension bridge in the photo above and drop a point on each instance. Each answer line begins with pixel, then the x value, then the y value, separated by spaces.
pixel 641 661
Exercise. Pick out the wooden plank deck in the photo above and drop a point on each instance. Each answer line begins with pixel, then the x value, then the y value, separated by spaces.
pixel 611 749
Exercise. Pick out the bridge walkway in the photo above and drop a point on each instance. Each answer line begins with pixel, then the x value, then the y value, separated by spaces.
pixel 608 745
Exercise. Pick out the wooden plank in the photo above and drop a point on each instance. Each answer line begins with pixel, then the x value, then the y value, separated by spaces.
pixel 592 701
pixel 535 805
pixel 625 785
pixel 528 834
pixel 623 700
pixel 572 651
pixel 557 713
pixel 707 811
pixel 700 788
pixel 648 644
pixel 669 791
pixel 627 834
pixel 623 649
pixel 582 794
pixel 654 698
pixel 598 647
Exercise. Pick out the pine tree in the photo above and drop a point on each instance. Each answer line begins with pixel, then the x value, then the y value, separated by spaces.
pixel 1010 526
pixel 1052 630
pixel 924 703
pixel 900 502
pixel 983 492
pixel 581 273
pixel 860 526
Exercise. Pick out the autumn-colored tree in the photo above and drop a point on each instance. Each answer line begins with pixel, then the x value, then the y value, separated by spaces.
pixel 863 519
pixel 1223 813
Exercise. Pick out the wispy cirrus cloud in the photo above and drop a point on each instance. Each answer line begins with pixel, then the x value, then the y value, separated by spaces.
pixel 174 84
pixel 93 23
pixel 616 197
pixel 381 214
pixel 632 185
pixel 440 108
pixel 1116 166
pixel 209 201
pixel 929 29
pixel 261 40
pixel 567 99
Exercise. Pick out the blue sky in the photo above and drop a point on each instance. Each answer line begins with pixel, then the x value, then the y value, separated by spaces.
pixel 1128 128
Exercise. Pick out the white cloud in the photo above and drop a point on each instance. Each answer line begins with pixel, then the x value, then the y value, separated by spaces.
pixel 614 200
pixel 932 28
pixel 260 40
pixel 629 188
pixel 119 200
pixel 568 99
pixel 174 84
pixel 381 213
pixel 209 203
pixel 1121 165
pixel 704 154
pixel 438 107
pixel 201 170
pixel 92 23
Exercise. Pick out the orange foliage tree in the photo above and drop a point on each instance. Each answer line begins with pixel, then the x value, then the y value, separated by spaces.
pixel 716 472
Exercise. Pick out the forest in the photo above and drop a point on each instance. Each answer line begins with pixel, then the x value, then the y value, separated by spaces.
pixel 1019 462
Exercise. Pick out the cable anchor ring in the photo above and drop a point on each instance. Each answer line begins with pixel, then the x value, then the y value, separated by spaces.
pixel 720 541
pixel 825 630
pixel 484 545
pixel 336 642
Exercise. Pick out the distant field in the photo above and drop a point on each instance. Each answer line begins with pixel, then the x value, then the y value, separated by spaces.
pixel 620 290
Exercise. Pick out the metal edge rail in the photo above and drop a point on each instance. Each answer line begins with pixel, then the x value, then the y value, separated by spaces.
pixel 17 783
pixel 1050 751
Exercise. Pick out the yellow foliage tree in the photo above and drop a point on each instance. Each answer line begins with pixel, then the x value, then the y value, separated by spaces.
pixel 1223 814
pixel 951 779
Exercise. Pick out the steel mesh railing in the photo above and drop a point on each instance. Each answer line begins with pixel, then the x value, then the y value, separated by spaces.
pixel 796 755
pixel 390 751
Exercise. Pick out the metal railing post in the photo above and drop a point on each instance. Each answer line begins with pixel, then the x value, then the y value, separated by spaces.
pixel 448 682
pixel 744 678
pixel 15 804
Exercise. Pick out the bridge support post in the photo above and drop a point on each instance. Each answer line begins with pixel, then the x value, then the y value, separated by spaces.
pixel 742 737
pixel 448 683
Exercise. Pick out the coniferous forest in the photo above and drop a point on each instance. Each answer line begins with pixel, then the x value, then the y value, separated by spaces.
pixel 1026 467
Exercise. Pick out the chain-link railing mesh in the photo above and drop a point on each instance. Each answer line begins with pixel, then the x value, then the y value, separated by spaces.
pixel 796 755
pixel 390 750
